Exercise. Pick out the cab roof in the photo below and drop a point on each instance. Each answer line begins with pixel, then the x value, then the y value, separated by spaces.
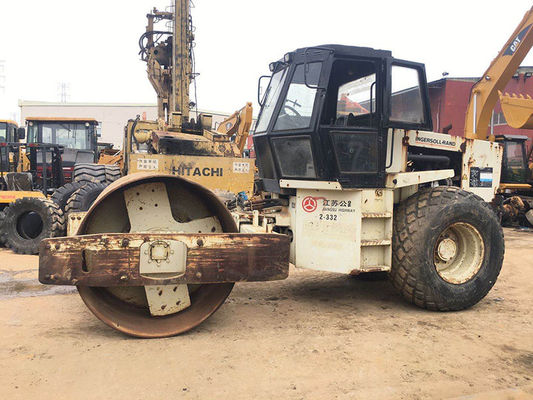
pixel 351 51
pixel 512 137
pixel 60 119
pixel 9 121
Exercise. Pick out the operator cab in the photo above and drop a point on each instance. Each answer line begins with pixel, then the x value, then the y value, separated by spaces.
pixel 515 167
pixel 327 110
pixel 77 136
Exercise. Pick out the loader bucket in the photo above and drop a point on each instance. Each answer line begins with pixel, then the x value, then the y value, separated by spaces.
pixel 518 110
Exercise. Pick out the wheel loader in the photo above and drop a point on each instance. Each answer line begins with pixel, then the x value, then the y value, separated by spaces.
pixel 28 175
pixel 353 181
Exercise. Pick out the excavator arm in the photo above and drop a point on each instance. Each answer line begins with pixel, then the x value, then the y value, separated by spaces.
pixel 238 124
pixel 484 93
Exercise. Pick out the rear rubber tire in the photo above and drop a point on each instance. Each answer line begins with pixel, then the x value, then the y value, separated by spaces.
pixel 63 193
pixel 83 198
pixel 22 240
pixel 419 223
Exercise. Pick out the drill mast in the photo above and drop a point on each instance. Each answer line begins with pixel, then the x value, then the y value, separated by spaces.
pixel 169 61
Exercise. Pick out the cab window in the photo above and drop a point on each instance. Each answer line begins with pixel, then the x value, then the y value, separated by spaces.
pixel 515 155
pixel 297 108
pixel 271 98
pixel 356 98
pixel 3 132
pixel 352 102
pixel 406 99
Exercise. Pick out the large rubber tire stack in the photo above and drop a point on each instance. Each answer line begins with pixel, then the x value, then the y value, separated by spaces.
pixel 112 173
pixel 88 173
pixel 63 193
pixel 28 221
pixel 84 197
pixel 419 223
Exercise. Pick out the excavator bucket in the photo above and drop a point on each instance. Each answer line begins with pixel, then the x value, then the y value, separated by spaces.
pixel 518 110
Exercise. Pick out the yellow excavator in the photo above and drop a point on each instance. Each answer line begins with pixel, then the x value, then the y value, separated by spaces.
pixel 516 186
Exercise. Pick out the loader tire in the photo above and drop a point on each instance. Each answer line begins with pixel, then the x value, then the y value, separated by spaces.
pixel 447 247
pixel 63 193
pixel 29 220
pixel 83 198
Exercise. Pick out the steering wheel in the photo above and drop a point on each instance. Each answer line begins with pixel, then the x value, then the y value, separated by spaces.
pixel 292 110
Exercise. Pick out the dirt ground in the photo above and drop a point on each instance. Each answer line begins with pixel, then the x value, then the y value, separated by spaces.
pixel 313 336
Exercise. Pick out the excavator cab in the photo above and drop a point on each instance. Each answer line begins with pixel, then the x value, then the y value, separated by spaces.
pixel 515 167
pixel 327 112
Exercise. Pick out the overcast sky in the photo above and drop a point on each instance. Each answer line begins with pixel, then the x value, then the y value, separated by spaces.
pixel 93 45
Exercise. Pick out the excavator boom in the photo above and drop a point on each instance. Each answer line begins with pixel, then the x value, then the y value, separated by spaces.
pixel 238 124
pixel 484 93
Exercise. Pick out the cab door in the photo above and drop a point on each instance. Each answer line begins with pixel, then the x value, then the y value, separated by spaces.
pixel 351 122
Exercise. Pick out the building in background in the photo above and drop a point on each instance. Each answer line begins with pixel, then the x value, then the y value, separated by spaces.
pixel 449 99
pixel 112 117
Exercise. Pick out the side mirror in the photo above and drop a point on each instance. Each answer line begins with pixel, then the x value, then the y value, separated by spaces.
pixel 260 95
pixel 20 134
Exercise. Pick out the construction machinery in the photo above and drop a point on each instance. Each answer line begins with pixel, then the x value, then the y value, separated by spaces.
pixel 181 141
pixel 348 187
pixel 10 135
pixel 78 140
pixel 515 193
pixel 8 131
pixel 28 175
pixel 33 195
pixel 77 136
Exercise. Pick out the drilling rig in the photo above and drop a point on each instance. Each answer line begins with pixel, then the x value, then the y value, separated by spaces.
pixel 181 141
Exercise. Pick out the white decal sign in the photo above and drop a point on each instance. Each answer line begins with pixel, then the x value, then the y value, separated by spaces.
pixel 148 164
pixel 241 167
